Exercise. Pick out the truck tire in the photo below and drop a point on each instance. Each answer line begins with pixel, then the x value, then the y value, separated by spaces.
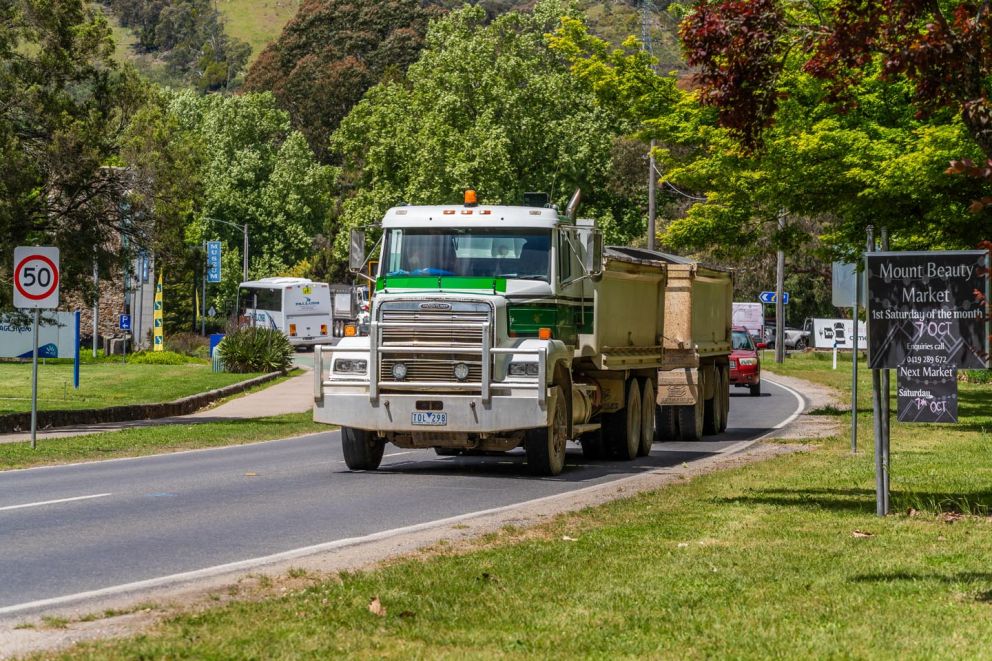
pixel 447 452
pixel 648 406
pixel 666 423
pixel 623 428
pixel 691 422
pixel 362 450
pixel 546 445
pixel 713 412
pixel 755 389
pixel 725 396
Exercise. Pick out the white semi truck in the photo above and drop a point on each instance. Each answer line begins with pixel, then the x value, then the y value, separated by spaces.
pixel 495 327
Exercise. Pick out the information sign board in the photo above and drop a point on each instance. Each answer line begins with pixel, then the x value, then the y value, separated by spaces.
pixel 124 322
pixel 927 394
pixel 924 309
pixel 845 280
pixel 839 333
pixel 769 297
pixel 213 261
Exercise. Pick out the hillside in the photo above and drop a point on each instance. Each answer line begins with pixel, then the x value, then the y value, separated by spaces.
pixel 259 22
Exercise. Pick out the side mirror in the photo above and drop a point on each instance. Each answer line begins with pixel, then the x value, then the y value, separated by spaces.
pixel 594 254
pixel 356 251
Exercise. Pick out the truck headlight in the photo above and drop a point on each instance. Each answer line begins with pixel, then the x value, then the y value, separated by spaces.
pixel 349 366
pixel 523 369
pixel 461 371
pixel 399 371
pixel 748 361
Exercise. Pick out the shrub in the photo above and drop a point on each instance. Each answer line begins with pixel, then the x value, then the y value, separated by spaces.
pixel 256 350
pixel 160 358
pixel 188 343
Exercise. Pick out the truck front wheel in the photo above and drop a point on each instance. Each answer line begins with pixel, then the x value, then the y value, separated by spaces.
pixel 546 445
pixel 362 450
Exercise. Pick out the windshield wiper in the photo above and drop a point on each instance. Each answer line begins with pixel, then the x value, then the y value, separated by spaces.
pixel 521 277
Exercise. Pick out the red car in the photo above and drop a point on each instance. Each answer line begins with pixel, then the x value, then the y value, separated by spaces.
pixel 745 366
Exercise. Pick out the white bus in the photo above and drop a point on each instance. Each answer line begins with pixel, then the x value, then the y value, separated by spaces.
pixel 298 307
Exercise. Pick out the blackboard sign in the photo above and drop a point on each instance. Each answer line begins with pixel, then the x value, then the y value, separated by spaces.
pixel 927 394
pixel 924 309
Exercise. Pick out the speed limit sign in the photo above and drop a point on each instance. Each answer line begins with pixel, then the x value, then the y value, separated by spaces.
pixel 36 277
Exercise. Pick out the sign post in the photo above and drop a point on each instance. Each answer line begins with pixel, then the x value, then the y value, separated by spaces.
pixel 36 287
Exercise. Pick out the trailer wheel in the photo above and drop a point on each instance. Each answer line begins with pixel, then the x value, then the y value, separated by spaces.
pixel 623 428
pixel 648 407
pixel 666 423
pixel 713 412
pixel 546 445
pixel 362 450
pixel 725 396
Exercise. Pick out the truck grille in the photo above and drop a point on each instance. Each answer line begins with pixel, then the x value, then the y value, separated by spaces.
pixel 459 329
pixel 432 328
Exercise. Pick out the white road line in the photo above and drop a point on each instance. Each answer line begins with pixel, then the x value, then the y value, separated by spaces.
pixel 52 502
pixel 293 554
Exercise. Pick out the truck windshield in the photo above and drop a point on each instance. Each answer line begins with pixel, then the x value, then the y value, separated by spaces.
pixel 468 251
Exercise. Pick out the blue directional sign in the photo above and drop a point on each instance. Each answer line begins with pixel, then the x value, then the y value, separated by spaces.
pixel 124 322
pixel 213 261
pixel 769 297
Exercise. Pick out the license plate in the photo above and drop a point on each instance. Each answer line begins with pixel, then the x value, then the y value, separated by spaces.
pixel 429 418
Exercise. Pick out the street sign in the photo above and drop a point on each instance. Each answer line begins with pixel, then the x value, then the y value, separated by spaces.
pixel 843 289
pixel 36 277
pixel 124 322
pixel 213 261
pixel 768 297
pixel 927 398
pixel 925 310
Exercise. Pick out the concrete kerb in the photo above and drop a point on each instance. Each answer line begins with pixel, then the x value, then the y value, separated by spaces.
pixel 18 422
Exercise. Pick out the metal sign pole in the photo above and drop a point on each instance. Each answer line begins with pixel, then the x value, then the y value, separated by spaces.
pixel 854 365
pixel 779 299
pixel 34 381
pixel 885 412
pixel 876 408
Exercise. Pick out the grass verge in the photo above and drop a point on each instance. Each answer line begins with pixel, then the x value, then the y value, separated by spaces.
pixel 141 441
pixel 104 384
pixel 781 559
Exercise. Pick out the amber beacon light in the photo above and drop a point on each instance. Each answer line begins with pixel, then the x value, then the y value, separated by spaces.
pixel 470 198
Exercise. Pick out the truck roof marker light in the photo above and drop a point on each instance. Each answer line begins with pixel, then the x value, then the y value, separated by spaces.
pixel 466 212
pixel 544 333
pixel 486 212
pixel 535 212
pixel 449 212
pixel 471 199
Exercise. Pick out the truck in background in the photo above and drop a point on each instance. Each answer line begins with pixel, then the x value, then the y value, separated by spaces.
pixel 350 308
pixel 299 307
pixel 751 317
pixel 495 327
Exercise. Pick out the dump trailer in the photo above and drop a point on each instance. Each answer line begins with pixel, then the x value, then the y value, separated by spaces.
pixel 694 381
pixel 497 327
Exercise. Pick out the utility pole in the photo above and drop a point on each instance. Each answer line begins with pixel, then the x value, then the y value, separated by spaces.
pixel 652 170
pixel 779 295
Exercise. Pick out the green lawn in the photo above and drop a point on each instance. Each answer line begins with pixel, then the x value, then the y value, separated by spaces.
pixel 156 439
pixel 103 384
pixel 780 559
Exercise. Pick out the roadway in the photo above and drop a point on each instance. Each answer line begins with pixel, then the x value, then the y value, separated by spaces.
pixel 68 530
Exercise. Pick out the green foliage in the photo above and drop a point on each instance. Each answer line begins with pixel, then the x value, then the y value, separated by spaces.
pixel 331 53
pixel 160 358
pixel 63 106
pixel 490 107
pixel 188 344
pixel 256 350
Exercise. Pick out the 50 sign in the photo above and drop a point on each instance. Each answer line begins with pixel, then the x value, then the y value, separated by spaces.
pixel 36 277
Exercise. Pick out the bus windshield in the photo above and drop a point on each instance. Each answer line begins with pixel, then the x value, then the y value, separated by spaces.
pixel 467 251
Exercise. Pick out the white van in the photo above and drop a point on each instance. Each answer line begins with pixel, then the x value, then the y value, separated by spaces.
pixel 299 307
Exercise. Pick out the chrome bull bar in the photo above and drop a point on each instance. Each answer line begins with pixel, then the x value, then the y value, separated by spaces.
pixel 372 382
